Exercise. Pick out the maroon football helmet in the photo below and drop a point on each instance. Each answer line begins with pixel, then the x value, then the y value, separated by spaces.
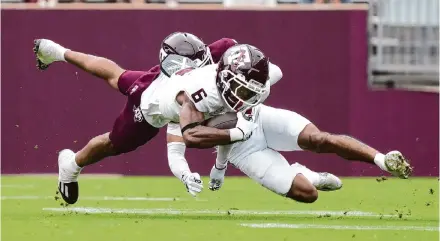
pixel 242 75
pixel 187 45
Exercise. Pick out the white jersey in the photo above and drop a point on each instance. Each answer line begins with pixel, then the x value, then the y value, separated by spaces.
pixel 158 102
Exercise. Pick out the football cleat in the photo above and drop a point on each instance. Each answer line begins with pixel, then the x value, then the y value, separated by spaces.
pixel 328 182
pixel 398 165
pixel 67 180
pixel 69 191
pixel 46 52
pixel 39 57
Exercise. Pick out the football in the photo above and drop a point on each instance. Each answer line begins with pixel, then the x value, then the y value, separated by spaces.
pixel 225 121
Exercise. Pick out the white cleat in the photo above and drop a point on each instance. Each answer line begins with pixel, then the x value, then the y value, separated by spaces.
pixel 67 179
pixel 47 52
pixel 328 182
pixel 398 165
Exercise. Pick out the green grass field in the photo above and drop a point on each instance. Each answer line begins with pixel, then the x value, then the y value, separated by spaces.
pixel 158 208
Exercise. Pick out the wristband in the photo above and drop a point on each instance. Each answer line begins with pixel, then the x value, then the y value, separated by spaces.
pixel 236 134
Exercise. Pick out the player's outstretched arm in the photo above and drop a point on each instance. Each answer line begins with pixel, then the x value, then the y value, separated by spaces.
pixel 176 156
pixel 177 162
pixel 312 139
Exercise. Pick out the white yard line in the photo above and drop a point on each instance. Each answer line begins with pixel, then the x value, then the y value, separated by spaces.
pixel 24 197
pixel 306 212
pixel 55 175
pixel 339 227
pixel 19 186
pixel 104 198
pixel 230 212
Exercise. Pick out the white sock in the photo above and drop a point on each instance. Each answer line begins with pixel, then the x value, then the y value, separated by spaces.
pixel 312 176
pixel 69 170
pixel 61 53
pixel 379 159
pixel 73 166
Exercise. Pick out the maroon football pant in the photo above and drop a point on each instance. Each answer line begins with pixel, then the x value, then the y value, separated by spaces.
pixel 130 130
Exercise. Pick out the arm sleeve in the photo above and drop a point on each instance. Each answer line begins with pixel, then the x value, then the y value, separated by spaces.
pixel 127 79
pixel 176 153
pixel 219 47
pixel 176 159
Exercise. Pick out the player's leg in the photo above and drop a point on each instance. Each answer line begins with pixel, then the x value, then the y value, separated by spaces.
pixel 302 190
pixel 281 128
pixel 98 148
pixel 126 136
pixel 48 52
pixel 302 181
pixel 70 164
pixel 271 170
pixel 128 133
pixel 288 131
pixel 312 139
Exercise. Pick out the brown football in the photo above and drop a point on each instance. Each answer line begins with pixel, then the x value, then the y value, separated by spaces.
pixel 225 121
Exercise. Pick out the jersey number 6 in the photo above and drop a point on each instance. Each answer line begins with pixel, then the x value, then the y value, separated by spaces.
pixel 199 95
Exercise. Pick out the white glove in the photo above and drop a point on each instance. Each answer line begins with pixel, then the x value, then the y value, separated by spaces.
pixel 217 177
pixel 193 183
pixel 243 129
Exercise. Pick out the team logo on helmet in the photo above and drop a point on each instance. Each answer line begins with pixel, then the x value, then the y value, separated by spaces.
pixel 238 59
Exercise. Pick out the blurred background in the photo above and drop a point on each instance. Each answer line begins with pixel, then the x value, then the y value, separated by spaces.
pixel 369 69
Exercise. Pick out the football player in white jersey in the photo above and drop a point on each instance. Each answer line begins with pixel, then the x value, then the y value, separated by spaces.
pixel 187 97
pixel 282 130
pixel 209 99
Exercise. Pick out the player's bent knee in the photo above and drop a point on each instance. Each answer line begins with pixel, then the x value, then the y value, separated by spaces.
pixel 311 196
pixel 304 196
pixel 302 190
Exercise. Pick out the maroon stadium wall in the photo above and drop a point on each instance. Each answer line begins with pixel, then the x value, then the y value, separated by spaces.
pixel 323 55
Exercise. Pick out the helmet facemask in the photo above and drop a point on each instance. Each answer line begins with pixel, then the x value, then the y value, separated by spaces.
pixel 238 93
pixel 201 58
